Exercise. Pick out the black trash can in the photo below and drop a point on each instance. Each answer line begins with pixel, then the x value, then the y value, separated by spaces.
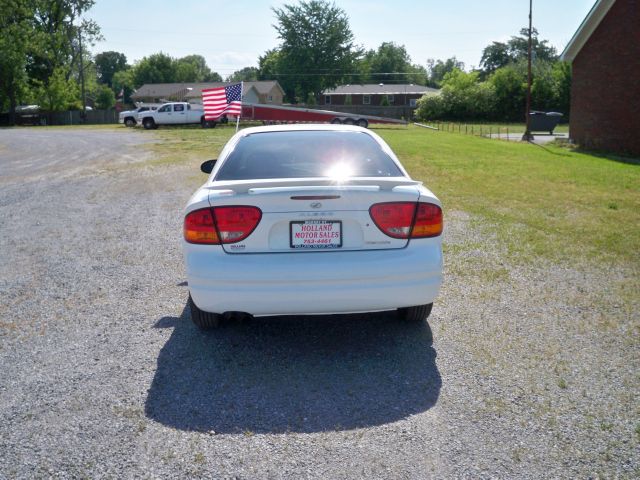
pixel 544 121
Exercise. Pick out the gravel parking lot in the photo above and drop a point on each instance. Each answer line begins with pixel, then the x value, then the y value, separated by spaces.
pixel 532 373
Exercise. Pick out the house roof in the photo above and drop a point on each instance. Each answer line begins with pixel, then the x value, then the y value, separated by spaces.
pixel 586 29
pixel 379 89
pixel 265 86
pixel 194 90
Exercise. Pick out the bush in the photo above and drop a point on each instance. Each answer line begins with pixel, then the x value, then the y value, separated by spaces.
pixel 105 99
pixel 462 97
pixel 502 97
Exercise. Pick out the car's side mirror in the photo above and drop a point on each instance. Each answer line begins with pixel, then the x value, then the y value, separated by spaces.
pixel 207 166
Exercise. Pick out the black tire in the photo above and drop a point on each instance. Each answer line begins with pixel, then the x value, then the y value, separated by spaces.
pixel 415 314
pixel 336 121
pixel 148 123
pixel 363 122
pixel 203 320
pixel 129 122
pixel 349 121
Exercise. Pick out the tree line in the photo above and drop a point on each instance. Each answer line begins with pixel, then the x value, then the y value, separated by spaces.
pixel 44 60
pixel 497 91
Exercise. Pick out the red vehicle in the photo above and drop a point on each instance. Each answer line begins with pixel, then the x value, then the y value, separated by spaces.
pixel 272 114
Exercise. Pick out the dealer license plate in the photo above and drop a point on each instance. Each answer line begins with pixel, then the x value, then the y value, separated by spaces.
pixel 316 234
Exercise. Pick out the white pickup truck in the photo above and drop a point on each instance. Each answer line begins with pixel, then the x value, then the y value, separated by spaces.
pixel 174 113
pixel 130 117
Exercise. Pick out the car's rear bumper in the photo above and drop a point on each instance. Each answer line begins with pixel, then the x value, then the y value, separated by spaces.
pixel 314 282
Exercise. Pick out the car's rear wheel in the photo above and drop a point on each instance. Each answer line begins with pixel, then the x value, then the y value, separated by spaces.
pixel 148 123
pixel 130 122
pixel 362 122
pixel 349 121
pixel 336 121
pixel 202 319
pixel 415 314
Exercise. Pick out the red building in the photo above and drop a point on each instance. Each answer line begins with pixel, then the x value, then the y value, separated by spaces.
pixel 605 92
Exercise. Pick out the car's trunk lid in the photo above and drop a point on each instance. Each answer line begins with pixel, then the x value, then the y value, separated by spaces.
pixel 316 215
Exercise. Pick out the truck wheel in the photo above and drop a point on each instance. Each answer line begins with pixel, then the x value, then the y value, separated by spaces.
pixel 148 123
pixel 363 122
pixel 129 122
pixel 349 121
pixel 336 121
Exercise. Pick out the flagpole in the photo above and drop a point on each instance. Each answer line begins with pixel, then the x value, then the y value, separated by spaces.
pixel 238 117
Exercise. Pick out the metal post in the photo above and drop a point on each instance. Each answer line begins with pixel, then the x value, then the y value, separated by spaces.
pixel 84 98
pixel 238 117
pixel 527 137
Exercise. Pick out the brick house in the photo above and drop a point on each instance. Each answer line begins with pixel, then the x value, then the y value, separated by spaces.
pixel 267 92
pixel 373 94
pixel 605 91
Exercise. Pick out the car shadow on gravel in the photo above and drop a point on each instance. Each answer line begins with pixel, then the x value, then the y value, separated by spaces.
pixel 293 374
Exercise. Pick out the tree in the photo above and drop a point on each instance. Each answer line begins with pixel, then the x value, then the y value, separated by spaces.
pixel 193 68
pixel 562 76
pixel 269 65
pixel 317 49
pixel 59 37
pixel 58 93
pixel 437 69
pixel 247 74
pixel 500 54
pixel 390 63
pixel 15 25
pixel 107 64
pixel 105 99
pixel 41 43
pixel 494 57
pixel 156 68
pixel 510 86
pixel 123 81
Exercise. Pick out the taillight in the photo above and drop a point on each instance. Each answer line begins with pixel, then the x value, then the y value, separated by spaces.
pixel 199 227
pixel 236 223
pixel 428 221
pixel 221 224
pixel 394 219
pixel 400 219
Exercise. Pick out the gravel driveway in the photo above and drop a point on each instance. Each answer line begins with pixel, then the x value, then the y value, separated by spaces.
pixel 533 371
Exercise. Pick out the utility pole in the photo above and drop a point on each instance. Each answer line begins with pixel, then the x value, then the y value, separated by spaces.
pixel 83 114
pixel 527 137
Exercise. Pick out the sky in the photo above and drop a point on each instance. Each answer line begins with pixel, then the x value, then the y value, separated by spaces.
pixel 231 35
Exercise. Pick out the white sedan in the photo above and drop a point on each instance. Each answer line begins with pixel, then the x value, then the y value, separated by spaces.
pixel 310 219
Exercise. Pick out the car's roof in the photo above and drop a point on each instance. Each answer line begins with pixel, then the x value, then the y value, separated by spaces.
pixel 308 127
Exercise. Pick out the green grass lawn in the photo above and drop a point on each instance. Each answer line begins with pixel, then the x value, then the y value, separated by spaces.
pixel 546 202
pixel 550 201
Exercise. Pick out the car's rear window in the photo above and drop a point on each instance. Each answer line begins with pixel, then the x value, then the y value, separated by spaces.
pixel 307 153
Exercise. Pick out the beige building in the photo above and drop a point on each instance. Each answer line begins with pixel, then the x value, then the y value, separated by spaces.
pixel 264 92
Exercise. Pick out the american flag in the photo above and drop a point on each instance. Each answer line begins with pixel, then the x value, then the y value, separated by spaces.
pixel 222 100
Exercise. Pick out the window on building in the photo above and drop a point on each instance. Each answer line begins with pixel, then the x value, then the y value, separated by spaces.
pixel 413 102
pixel 270 98
pixel 327 99
pixel 390 99
pixel 366 99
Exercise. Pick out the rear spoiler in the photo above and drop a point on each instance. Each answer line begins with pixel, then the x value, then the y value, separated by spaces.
pixel 306 184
